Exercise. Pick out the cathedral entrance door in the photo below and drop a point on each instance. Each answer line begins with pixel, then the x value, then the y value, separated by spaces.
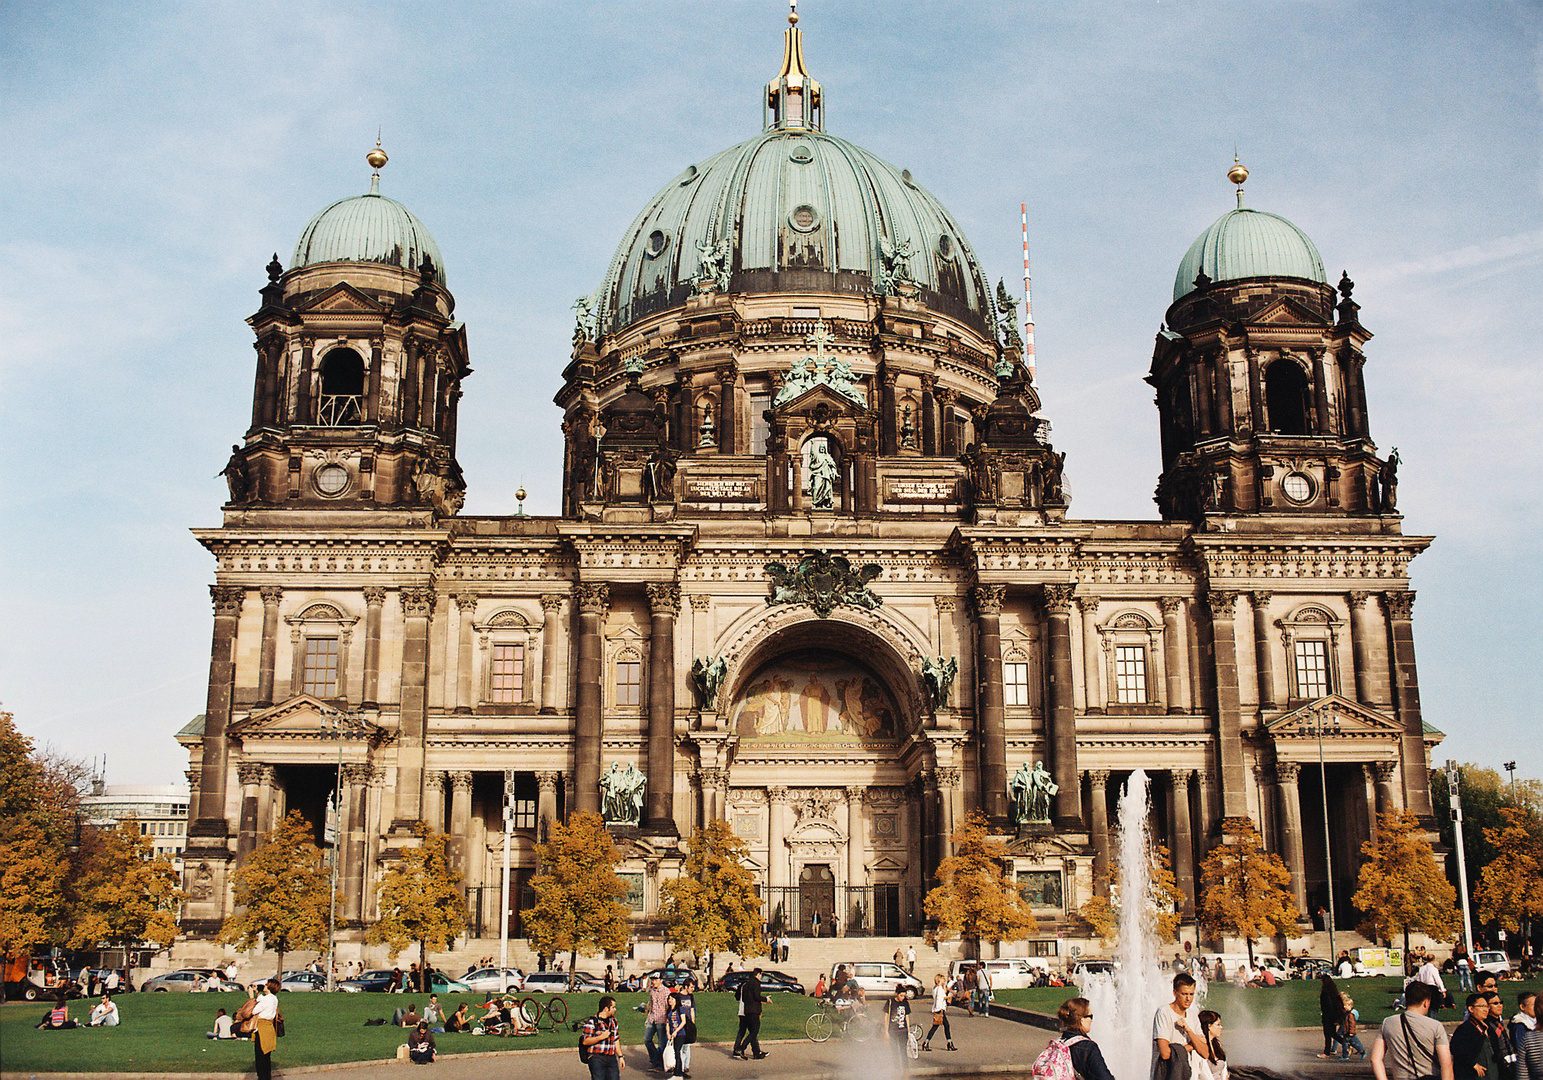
pixel 816 892
pixel 886 910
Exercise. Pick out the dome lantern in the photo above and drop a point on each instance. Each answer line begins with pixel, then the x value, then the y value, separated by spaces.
pixel 1247 243
pixel 793 99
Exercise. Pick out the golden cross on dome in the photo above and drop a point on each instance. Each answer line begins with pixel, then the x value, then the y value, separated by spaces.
pixel 819 339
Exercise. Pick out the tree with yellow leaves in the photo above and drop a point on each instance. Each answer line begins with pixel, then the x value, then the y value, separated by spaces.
pixel 1103 911
pixel 1402 887
pixel 713 905
pixel 420 899
pixel 1245 891
pixel 125 894
pixel 1511 886
pixel 578 905
pixel 282 893
pixel 34 859
pixel 974 899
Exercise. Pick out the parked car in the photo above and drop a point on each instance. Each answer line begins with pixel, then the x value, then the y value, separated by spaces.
pixel 556 982
pixel 880 978
pixel 185 981
pixel 1261 961
pixel 440 983
pixel 34 977
pixel 492 980
pixel 372 982
pixel 673 977
pixel 1008 973
pixel 301 981
pixel 1497 962
pixel 772 982
pixel 1084 968
pixel 1309 967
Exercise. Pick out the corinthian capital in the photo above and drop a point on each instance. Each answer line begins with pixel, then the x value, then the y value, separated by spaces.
pixel 594 597
pixel 1058 599
pixel 271 595
pixel 1287 771
pixel 1400 605
pixel 551 602
pixel 375 596
pixel 227 599
pixel 664 599
pixel 1222 602
pixel 1171 605
pixel 988 599
pixel 417 601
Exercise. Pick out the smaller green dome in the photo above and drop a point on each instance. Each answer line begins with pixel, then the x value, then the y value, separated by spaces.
pixel 1246 243
pixel 367 228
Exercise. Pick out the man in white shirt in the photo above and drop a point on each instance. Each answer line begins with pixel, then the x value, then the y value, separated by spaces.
pixel 1346 969
pixel 910 959
pixel 1176 1031
pixel 105 1014
pixel 110 984
pixel 230 972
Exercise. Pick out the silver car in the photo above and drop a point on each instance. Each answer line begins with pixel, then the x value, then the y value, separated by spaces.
pixel 183 981
pixel 493 980
pixel 556 982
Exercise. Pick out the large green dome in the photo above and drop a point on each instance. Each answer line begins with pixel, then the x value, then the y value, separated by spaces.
pixel 367 228
pixel 1246 243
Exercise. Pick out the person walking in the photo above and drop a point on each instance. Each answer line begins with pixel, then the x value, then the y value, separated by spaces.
pixel 751 999
pixel 982 990
pixel 1413 1045
pixel 1464 967
pixel 1473 1056
pixel 897 1024
pixel 939 1013
pixel 1331 1010
pixel 910 959
pixel 599 1040
pixel 1349 1028
pixel 815 924
pixel 265 1021
pixel 654 1036
pixel 680 1022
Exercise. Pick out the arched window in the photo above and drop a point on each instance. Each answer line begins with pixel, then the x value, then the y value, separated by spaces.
pixel 1285 396
pixel 342 389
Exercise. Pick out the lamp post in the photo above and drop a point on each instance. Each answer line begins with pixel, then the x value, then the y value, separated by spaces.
pixel 1510 768
pixel 503 911
pixel 335 727
pixel 1321 725
pixel 1454 779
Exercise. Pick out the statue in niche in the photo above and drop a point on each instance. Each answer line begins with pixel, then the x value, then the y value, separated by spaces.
pixel 939 674
pixel 659 475
pixel 1055 480
pixel 1030 791
pixel 235 475
pixel 707 674
pixel 1387 478
pixel 621 794
pixel 822 477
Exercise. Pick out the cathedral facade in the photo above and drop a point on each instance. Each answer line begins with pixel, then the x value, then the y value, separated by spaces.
pixel 816 571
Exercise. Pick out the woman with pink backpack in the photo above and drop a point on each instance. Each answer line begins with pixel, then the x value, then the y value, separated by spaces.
pixel 1073 1054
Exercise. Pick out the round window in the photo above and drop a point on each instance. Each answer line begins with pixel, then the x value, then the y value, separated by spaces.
pixel 331 480
pixel 804 218
pixel 1297 486
pixel 946 246
pixel 657 242
pixel 801 153
pixel 688 176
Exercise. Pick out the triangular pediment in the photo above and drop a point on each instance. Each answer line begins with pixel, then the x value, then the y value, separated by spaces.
pixel 1350 718
pixel 344 298
pixel 819 394
pixel 1286 311
pixel 306 717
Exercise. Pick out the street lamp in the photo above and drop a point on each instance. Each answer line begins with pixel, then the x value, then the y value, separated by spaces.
pixel 1510 768
pixel 1454 783
pixel 335 725
pixel 1321 726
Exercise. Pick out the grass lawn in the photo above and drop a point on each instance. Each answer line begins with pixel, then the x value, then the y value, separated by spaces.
pixel 165 1032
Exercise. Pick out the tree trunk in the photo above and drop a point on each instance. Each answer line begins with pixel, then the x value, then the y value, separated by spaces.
pixel 573 969
pixel 423 967
pixel 1250 943
pixel 281 963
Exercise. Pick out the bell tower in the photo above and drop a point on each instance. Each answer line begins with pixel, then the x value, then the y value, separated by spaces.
pixel 359 369
pixel 1258 373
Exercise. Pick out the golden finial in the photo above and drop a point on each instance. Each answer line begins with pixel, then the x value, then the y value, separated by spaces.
pixel 520 495
pixel 1237 174
pixel 376 159
pixel 792 12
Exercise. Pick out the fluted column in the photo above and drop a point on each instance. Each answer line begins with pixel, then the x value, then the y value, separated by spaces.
pixel 777 846
pixel 1092 655
pixel 460 820
pixel 888 444
pixel 268 656
pixel 222 679
pixel 993 714
pixel 1406 697
pixel 465 692
pixel 546 801
pixel 1365 631
pixel 1263 655
pixel 434 798
pixel 1387 795
pixel 1183 842
pixel 951 806
pixel 374 601
pixel 594 598
pixel 1175 662
pixel 664 608
pixel 1067 802
pixel 250 774
pixel 417 606
pixel 1229 735
pixel 1098 792
pixel 551 630
pixel 856 840
pixel 1286 773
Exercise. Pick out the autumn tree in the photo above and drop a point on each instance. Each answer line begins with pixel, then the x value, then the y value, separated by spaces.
pixel 974 899
pixel 1485 795
pixel 125 894
pixel 1245 890
pixel 578 906
pixel 282 893
pixel 1402 887
pixel 34 864
pixel 1510 888
pixel 1103 911
pixel 420 899
pixel 713 905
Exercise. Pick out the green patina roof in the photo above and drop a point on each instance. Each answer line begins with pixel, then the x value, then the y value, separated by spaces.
pixel 367 228
pixel 194 726
pixel 1246 243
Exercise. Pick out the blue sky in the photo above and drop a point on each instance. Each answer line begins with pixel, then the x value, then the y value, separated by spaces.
pixel 156 155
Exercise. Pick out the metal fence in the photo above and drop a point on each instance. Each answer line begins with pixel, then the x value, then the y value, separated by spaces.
pixel 863 911
pixel 482 908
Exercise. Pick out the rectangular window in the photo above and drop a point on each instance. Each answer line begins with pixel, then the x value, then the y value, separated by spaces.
pixel 759 429
pixel 1015 683
pixel 1312 669
pixel 508 674
pixel 628 676
pixel 320 673
pixel 1130 674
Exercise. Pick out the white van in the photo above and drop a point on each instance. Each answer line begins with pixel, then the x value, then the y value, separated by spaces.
pixel 879 977
pixel 1007 973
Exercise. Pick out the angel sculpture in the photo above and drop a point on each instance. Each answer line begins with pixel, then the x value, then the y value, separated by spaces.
pixel 584 319
pixel 707 674
pixel 784 584
pixel 940 674
pixel 1007 309
pixel 894 262
pixel 712 264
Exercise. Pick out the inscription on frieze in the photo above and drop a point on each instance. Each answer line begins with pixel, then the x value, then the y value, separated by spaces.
pixel 921 491
pixel 732 489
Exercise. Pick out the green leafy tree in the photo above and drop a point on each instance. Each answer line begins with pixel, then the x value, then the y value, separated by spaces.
pixel 974 900
pixel 1103 911
pixel 1485 794
pixel 282 893
pixel 578 906
pixel 1402 887
pixel 713 905
pixel 126 895
pixel 420 899
pixel 1510 888
pixel 1245 890
pixel 34 864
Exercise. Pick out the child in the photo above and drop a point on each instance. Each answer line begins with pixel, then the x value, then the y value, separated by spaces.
pixel 1348 1039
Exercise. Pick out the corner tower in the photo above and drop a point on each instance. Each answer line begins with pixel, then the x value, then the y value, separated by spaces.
pixel 1259 383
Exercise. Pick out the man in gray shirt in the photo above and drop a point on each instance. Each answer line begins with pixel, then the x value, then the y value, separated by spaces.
pixel 1412 1045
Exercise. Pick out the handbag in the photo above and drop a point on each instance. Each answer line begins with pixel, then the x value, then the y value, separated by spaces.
pixel 937 1018
pixel 688 1033
pixel 669 1057
pixel 278 1026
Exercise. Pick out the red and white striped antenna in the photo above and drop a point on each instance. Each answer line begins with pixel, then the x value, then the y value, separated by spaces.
pixel 1028 307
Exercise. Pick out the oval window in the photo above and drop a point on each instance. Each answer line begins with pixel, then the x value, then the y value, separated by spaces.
pixel 657 242
pixel 801 153
pixel 804 218
pixel 946 246
pixel 331 480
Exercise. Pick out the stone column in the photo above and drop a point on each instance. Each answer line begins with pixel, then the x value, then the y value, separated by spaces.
pixel 1321 393
pixel 594 598
pixel 1406 699
pixel 460 820
pixel 1229 735
pixel 1291 829
pixel 777 849
pixel 929 416
pixel 268 657
pixel 1092 655
pixel 1223 391
pixel 1387 795
pixel 664 607
pixel 1183 842
pixel 951 806
pixel 992 717
pixel 354 800
pixel 1263 654
pixel 728 410
pixel 250 773
pixel 374 601
pixel 1067 802
pixel 222 680
pixel 888 444
pixel 950 434
pixel 434 798
pixel 465 693
pixel 1098 785
pixel 856 845
pixel 1365 630
pixel 1255 389
pixel 546 801
pixel 551 629
pixel 417 606
pixel 1173 653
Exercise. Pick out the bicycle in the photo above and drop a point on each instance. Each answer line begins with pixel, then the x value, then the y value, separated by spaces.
pixel 854 1025
pixel 555 1011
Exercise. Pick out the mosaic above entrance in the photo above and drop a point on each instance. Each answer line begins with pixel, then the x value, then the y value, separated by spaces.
pixel 815 698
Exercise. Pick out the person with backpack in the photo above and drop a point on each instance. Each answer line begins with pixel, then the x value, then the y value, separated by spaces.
pixel 599 1042
pixel 1073 1053
pixel 1349 1027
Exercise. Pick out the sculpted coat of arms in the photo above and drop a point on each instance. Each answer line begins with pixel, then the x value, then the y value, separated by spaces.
pixel 822 581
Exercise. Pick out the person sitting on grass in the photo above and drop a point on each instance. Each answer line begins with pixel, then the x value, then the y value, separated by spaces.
pixel 222 1024
pixel 105 1014
pixel 420 1045
pixel 58 1018
pixel 494 1020
pixel 433 1015
pixel 460 1020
